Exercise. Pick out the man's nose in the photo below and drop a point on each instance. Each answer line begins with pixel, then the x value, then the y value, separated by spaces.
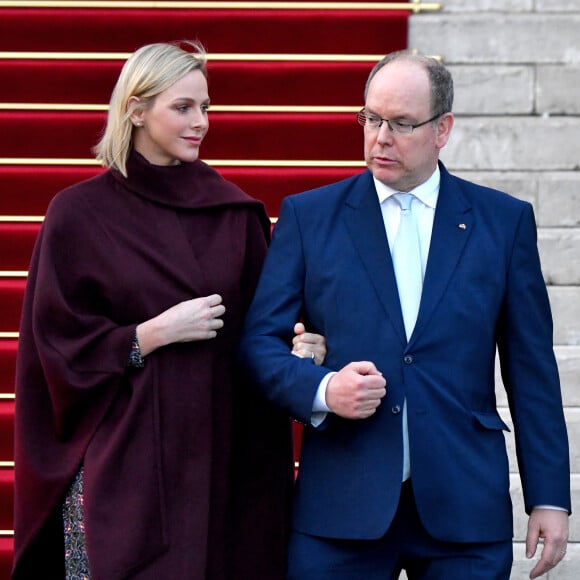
pixel 384 134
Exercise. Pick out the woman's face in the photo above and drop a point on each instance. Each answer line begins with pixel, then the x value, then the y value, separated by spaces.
pixel 172 128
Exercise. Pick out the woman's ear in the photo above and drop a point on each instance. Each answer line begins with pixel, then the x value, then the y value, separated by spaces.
pixel 137 111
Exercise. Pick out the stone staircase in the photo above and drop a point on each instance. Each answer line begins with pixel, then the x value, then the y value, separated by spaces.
pixel 516 65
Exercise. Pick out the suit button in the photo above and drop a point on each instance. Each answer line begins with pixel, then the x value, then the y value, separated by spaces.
pixel 408 359
pixel 396 410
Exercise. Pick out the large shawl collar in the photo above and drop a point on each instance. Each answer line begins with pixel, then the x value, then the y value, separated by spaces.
pixel 192 185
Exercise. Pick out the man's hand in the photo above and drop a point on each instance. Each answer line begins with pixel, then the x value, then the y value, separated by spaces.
pixel 356 390
pixel 552 526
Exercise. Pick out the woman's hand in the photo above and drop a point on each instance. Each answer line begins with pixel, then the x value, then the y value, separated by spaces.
pixel 196 319
pixel 308 345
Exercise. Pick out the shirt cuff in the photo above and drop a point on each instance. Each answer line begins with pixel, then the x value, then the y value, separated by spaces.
pixel 319 407
pixel 550 507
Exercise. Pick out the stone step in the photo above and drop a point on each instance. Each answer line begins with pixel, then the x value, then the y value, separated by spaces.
pixel 466 38
pixel 554 194
pixel 511 143
pixel 565 301
pixel 572 415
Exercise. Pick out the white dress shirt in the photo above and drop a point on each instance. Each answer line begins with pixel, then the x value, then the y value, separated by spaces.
pixel 424 212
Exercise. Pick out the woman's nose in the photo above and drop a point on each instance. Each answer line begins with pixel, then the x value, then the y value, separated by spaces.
pixel 199 118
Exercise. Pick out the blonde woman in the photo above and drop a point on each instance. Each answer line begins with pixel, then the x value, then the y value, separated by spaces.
pixel 140 452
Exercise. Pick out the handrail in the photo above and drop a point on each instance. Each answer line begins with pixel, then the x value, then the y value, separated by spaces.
pixel 46 161
pixel 224 56
pixel 21 218
pixel 214 108
pixel 212 162
pixel 415 6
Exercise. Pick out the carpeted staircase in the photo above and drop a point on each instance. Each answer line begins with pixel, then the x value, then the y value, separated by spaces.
pixel 285 82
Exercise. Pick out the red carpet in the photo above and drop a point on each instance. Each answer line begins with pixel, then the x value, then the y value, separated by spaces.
pixel 11 293
pixel 245 136
pixel 7 356
pixel 238 83
pixel 230 31
pixel 6 445
pixel 33 128
pixel 6 547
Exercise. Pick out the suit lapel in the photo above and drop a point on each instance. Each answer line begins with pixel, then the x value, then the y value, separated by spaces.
pixel 364 222
pixel 452 228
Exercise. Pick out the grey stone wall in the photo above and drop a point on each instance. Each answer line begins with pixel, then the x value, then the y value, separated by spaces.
pixel 516 65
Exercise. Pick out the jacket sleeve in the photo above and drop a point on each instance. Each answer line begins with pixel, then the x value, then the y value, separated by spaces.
pixel 288 381
pixel 530 375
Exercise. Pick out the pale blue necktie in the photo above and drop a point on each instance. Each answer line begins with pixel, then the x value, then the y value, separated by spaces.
pixel 407 262
pixel 408 271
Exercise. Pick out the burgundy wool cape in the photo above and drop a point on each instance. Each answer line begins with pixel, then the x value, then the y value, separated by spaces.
pixel 187 473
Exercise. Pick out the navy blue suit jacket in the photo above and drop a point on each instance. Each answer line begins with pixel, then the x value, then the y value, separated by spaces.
pixel 329 262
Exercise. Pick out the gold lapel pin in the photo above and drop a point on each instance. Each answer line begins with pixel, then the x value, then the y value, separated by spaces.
pixel 462 226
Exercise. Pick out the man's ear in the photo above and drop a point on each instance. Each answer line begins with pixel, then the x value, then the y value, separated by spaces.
pixel 444 126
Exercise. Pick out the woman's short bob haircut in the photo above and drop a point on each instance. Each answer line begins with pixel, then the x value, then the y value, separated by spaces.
pixel 149 71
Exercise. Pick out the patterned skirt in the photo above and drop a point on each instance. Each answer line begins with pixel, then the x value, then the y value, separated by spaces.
pixel 76 562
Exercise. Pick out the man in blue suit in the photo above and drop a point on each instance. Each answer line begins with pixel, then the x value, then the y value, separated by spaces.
pixel 403 462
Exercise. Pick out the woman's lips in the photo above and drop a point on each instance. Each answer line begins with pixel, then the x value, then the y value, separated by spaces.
pixel 193 140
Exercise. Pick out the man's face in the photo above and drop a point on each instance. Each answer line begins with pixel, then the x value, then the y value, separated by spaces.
pixel 400 91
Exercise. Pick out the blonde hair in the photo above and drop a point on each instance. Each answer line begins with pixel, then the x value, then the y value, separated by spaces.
pixel 150 70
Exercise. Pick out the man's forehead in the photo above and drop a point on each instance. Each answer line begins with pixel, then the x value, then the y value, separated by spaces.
pixel 400 73
pixel 409 88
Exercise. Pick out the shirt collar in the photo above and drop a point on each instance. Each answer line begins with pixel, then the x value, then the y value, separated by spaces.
pixel 427 192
